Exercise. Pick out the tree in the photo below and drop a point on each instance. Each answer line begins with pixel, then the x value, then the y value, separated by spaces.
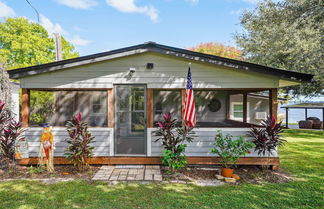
pixel 218 49
pixel 24 43
pixel 288 35
pixel 5 88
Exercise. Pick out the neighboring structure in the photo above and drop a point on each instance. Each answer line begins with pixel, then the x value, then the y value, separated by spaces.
pixel 309 122
pixel 15 99
pixel 122 94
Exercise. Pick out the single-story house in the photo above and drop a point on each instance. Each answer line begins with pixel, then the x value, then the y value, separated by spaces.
pixel 123 93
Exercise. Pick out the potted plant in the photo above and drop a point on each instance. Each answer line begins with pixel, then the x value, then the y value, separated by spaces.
pixel 230 150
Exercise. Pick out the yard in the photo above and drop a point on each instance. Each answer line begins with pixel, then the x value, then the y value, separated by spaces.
pixel 302 157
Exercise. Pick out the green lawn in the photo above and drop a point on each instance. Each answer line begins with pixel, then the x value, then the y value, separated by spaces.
pixel 303 157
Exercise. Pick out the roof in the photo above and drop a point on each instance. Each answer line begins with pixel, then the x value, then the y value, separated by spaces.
pixel 308 105
pixel 162 49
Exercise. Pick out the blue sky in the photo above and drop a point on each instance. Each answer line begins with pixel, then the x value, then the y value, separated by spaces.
pixel 100 25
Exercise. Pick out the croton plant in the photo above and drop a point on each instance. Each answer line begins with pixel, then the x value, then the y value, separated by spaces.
pixel 11 132
pixel 267 138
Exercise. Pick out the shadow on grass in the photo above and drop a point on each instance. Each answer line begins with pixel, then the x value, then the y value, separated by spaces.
pixel 302 158
pixel 81 194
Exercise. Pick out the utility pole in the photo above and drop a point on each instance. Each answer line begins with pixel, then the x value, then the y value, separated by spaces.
pixel 58 46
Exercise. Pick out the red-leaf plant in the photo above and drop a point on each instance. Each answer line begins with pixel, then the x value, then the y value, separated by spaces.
pixel 79 142
pixel 267 139
pixel 11 132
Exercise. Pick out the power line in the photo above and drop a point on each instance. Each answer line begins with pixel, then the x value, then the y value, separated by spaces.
pixel 37 13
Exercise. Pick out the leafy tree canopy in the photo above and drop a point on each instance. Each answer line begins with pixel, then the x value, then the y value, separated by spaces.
pixel 218 49
pixel 24 43
pixel 287 34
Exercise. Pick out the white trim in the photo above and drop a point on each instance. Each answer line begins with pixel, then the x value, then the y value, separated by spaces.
pixel 111 142
pixel 149 141
pixel 213 129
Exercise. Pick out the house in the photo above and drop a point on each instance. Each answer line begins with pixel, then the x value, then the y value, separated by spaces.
pixel 123 93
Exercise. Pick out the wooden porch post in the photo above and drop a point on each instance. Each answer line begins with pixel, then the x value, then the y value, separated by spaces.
pixel 111 108
pixel 25 94
pixel 245 107
pixel 149 108
pixel 273 102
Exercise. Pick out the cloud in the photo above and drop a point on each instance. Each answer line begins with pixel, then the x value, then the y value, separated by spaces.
pixel 237 12
pixel 193 2
pixel 57 28
pixel 51 27
pixel 129 6
pixel 78 4
pixel 6 11
pixel 77 40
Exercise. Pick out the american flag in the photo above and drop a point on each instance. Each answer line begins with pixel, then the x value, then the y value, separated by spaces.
pixel 189 115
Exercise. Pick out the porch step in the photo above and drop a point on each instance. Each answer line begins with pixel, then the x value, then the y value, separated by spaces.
pixel 130 166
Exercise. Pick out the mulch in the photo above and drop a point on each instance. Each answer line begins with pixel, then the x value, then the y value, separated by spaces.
pixel 61 171
pixel 247 174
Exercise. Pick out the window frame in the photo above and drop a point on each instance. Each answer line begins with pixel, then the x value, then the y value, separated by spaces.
pixel 232 111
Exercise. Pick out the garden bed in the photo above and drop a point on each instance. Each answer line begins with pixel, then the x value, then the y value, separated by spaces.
pixel 247 174
pixel 34 172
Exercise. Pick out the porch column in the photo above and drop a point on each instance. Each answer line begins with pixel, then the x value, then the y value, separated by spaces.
pixel 25 94
pixel 245 107
pixel 287 110
pixel 149 108
pixel 273 102
pixel 111 108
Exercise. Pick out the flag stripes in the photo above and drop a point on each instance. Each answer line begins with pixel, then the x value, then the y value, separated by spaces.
pixel 189 108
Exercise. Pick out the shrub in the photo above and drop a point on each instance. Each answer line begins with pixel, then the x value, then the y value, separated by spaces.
pixel 79 148
pixel 267 138
pixel 11 132
pixel 173 139
pixel 230 150
pixel 176 160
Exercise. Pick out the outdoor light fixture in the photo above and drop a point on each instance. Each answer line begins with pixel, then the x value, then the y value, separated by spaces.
pixel 131 71
pixel 149 66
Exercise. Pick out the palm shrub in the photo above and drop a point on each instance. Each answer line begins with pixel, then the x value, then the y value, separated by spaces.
pixel 267 139
pixel 230 150
pixel 79 148
pixel 173 141
pixel 11 132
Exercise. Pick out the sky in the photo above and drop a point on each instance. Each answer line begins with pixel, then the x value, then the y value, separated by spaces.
pixel 94 26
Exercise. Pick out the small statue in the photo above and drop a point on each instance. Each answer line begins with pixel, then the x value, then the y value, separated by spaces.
pixel 46 148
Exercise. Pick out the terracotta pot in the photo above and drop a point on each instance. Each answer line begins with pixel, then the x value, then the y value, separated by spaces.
pixel 227 172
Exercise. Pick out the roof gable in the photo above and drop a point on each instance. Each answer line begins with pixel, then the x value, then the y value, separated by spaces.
pixel 161 49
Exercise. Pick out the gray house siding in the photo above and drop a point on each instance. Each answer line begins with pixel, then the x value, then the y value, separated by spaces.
pixel 101 144
pixel 203 142
pixel 168 72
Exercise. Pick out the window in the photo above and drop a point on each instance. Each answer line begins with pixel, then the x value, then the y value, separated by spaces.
pixel 166 101
pixel 56 107
pixel 237 111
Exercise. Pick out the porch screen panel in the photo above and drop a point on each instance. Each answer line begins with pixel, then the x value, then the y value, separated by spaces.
pixel 56 107
pixel 259 107
pixel 211 108
pixel 166 101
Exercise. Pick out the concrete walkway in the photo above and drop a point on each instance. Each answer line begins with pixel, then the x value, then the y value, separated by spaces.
pixel 129 173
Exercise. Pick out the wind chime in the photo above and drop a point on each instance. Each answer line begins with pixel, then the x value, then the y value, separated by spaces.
pixel 46 151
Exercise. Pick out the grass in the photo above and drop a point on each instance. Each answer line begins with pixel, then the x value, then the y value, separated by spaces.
pixel 303 156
